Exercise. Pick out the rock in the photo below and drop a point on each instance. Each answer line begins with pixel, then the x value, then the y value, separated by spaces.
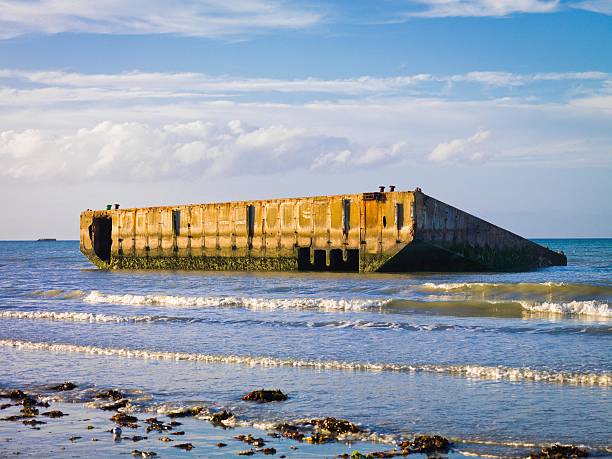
pixel 218 418
pixel 246 452
pixel 180 432
pixel 558 451
pixel 268 451
pixel 139 453
pixel 90 427
pixel 73 439
pixel 115 406
pixel 175 423
pixel 154 424
pixel 258 442
pixel 65 386
pixel 265 395
pixel 165 439
pixel 317 438
pixel 5 406
pixel 185 412
pixel 29 411
pixel 221 445
pixel 138 438
pixel 293 435
pixel 124 420
pixel 427 444
pixel 335 426
pixel 54 414
pixel 110 394
pixel 290 431
pixel 185 446
pixel 386 454
pixel 17 394
pixel 17 417
pixel 32 422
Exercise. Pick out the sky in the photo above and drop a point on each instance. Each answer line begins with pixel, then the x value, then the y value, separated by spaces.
pixel 502 108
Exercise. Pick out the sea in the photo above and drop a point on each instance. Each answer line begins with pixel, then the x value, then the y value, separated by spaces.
pixel 501 364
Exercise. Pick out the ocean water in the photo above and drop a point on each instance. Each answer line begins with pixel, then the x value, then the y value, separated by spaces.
pixel 500 363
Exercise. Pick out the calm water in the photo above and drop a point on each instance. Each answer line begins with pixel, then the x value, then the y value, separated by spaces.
pixel 484 358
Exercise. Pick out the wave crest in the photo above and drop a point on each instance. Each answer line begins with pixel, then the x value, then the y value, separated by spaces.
pixel 579 308
pixel 521 288
pixel 467 371
pixel 320 304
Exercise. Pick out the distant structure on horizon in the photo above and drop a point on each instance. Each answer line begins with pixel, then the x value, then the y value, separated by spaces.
pixel 384 231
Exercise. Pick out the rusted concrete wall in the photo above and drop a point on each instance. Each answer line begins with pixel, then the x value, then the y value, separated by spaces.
pixel 257 234
pixel 475 243
pixel 394 231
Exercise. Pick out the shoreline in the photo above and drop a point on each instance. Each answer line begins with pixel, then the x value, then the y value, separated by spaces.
pixel 87 426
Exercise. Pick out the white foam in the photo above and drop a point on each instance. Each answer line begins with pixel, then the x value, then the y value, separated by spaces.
pixel 320 304
pixel 468 371
pixel 579 308
pixel 485 285
pixel 78 317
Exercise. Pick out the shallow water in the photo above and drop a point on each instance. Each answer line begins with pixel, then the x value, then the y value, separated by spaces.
pixel 484 358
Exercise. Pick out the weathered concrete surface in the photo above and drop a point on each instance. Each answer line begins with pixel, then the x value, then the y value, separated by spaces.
pixel 399 231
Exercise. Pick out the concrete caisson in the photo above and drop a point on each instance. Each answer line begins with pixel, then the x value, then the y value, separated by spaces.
pixel 398 231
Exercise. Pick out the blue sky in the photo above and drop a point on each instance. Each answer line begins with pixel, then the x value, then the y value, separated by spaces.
pixel 502 108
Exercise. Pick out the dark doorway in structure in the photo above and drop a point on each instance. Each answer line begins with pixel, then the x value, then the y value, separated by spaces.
pixel 101 230
pixel 304 259
pixel 336 261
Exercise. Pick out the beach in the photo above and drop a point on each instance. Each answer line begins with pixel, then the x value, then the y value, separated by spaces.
pixel 500 364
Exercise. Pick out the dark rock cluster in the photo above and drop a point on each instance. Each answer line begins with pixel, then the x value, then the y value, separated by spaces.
pixel 265 395
pixel 558 451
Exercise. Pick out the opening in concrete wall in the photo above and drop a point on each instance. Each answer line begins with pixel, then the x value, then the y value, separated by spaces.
pixel 250 217
pixel 101 231
pixel 176 222
pixel 320 260
pixel 304 259
pixel 336 261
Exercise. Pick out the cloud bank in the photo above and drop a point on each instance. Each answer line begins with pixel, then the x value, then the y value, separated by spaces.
pixel 238 18
pixel 199 18
pixel 138 126
pixel 139 152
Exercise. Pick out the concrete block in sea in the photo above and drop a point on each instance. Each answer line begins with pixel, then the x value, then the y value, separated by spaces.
pixel 384 231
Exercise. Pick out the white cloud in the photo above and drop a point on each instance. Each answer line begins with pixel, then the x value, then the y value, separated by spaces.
pixel 202 18
pixel 371 156
pixel 477 8
pixel 55 124
pixel 595 6
pixel 507 79
pixel 137 151
pixel 461 149
pixel 54 86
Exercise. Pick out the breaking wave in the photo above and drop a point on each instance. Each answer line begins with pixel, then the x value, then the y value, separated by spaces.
pixel 522 288
pixel 467 371
pixel 579 308
pixel 511 308
pixel 85 317
pixel 88 317
pixel 321 304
